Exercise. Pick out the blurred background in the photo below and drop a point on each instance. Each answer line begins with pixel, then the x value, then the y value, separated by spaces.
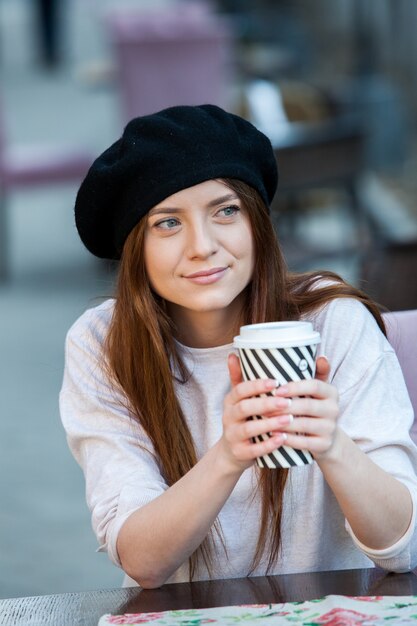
pixel 332 84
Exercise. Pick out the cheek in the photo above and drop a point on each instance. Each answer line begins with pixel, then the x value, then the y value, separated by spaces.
pixel 151 259
pixel 155 277
pixel 248 244
pixel 244 245
pixel 160 262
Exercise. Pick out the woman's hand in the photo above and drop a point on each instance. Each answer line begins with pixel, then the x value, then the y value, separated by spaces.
pixel 301 414
pixel 315 409
pixel 242 403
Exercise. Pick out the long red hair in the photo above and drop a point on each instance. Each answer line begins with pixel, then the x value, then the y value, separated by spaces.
pixel 140 349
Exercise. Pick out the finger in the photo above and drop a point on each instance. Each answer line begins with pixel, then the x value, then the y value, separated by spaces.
pixel 312 387
pixel 313 407
pixel 259 406
pixel 315 445
pixel 256 427
pixel 300 441
pixel 250 388
pixel 235 372
pixel 322 368
pixel 248 451
pixel 310 426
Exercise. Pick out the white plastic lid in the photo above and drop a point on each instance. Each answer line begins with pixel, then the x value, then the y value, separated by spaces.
pixel 277 335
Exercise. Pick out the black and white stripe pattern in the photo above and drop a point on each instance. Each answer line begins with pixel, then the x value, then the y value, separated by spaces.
pixel 283 365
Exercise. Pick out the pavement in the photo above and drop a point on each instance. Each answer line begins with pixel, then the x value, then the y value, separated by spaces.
pixel 46 542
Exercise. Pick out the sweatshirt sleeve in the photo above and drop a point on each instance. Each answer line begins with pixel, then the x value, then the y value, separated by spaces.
pixel 375 410
pixel 117 458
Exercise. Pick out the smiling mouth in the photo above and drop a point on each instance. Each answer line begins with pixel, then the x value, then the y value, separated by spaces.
pixel 214 270
pixel 207 277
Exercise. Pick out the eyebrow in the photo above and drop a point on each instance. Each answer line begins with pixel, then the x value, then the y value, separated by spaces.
pixel 210 205
pixel 226 198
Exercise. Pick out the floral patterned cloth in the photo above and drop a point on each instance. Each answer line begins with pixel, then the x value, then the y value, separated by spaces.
pixel 328 611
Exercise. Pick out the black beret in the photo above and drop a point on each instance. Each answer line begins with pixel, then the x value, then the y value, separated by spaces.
pixel 161 154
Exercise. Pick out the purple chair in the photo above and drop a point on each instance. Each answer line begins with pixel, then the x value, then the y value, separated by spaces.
pixel 170 56
pixel 24 166
pixel 402 334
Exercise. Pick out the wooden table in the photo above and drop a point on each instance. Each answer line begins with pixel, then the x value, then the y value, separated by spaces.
pixel 76 609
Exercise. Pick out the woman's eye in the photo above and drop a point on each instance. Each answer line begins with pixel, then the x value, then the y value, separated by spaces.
pixel 167 224
pixel 229 211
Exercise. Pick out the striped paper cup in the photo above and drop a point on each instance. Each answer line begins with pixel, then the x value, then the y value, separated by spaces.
pixel 283 351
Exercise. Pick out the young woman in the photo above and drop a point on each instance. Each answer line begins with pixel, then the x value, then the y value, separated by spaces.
pixel 153 401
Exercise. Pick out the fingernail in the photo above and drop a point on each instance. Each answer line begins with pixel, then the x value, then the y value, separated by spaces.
pixel 286 419
pixel 282 437
pixel 271 384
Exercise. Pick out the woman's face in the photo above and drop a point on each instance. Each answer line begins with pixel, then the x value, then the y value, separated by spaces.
pixel 199 249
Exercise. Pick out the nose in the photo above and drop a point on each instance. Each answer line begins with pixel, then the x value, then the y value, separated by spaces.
pixel 201 242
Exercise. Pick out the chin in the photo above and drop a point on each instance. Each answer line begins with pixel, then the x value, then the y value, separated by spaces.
pixel 209 308
pixel 202 302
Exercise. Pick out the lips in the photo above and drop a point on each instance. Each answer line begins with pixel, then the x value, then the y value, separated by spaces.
pixel 207 277
pixel 214 270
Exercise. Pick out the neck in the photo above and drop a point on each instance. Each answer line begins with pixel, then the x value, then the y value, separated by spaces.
pixel 206 329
